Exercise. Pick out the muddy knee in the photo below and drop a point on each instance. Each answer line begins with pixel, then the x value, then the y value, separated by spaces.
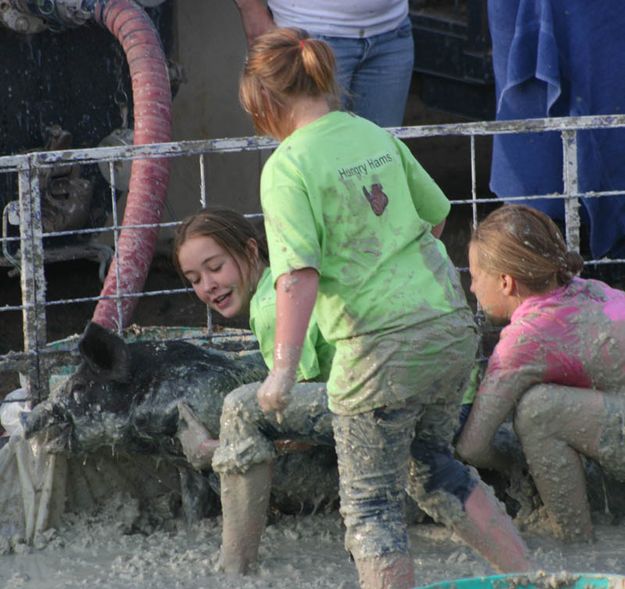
pixel 240 404
pixel 534 411
pixel 436 474
pixel 241 441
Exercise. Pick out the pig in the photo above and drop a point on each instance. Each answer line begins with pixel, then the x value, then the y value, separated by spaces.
pixel 125 397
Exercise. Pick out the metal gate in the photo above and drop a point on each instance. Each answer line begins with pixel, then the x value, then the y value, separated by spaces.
pixel 27 253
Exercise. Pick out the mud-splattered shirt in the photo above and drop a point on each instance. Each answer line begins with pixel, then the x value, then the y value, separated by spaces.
pixel 316 359
pixel 347 198
pixel 573 336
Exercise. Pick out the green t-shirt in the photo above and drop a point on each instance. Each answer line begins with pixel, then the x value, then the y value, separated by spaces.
pixel 347 198
pixel 477 373
pixel 317 353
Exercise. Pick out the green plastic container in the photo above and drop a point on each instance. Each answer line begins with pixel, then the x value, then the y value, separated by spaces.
pixel 540 580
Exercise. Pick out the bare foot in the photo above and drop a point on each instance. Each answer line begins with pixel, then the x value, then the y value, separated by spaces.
pixel 197 445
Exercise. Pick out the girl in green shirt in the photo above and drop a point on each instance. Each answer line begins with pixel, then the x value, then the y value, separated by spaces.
pixel 352 222
pixel 220 254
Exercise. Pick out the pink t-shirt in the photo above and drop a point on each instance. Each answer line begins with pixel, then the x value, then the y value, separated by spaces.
pixel 572 336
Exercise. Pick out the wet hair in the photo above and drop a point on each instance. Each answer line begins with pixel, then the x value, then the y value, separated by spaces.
pixel 526 244
pixel 231 230
pixel 283 64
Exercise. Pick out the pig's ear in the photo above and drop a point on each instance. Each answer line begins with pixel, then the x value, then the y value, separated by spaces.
pixel 105 353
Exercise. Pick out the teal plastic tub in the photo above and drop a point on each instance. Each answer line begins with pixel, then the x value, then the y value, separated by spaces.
pixel 540 580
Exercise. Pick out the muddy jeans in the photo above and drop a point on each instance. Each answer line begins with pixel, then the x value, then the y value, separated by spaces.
pixel 374 458
pixel 246 434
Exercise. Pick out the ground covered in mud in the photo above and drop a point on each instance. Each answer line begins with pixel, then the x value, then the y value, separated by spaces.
pixel 297 551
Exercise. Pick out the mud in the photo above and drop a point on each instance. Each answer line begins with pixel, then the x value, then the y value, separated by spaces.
pixel 297 551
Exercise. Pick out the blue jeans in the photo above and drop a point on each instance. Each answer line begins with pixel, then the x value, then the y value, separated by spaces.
pixel 374 451
pixel 375 73
pixel 246 434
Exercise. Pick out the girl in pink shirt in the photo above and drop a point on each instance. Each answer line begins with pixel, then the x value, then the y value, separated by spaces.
pixel 559 366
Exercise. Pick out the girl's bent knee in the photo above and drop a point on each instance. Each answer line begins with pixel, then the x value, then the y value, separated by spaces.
pixel 240 405
pixel 533 409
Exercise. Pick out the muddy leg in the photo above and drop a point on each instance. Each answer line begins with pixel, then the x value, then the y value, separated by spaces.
pixel 245 456
pixel 391 571
pixel 453 494
pixel 488 529
pixel 556 424
pixel 373 452
pixel 244 502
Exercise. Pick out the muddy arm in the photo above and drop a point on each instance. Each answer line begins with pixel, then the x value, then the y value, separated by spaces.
pixel 296 292
pixel 517 363
pixel 475 444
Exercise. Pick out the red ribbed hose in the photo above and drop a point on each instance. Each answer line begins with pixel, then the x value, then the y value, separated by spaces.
pixel 147 191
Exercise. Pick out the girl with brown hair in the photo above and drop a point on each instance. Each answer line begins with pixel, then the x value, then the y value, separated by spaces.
pixel 225 260
pixel 558 368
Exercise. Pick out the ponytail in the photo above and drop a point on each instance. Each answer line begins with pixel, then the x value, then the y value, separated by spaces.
pixel 526 244
pixel 572 266
pixel 282 65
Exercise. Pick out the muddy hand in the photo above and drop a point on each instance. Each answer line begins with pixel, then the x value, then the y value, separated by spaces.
pixel 197 445
pixel 275 392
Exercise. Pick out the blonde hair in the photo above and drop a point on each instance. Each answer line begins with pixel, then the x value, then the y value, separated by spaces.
pixel 284 64
pixel 526 244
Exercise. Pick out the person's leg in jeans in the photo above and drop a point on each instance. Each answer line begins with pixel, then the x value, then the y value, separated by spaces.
pixel 373 456
pixel 453 494
pixel 245 457
pixel 375 73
